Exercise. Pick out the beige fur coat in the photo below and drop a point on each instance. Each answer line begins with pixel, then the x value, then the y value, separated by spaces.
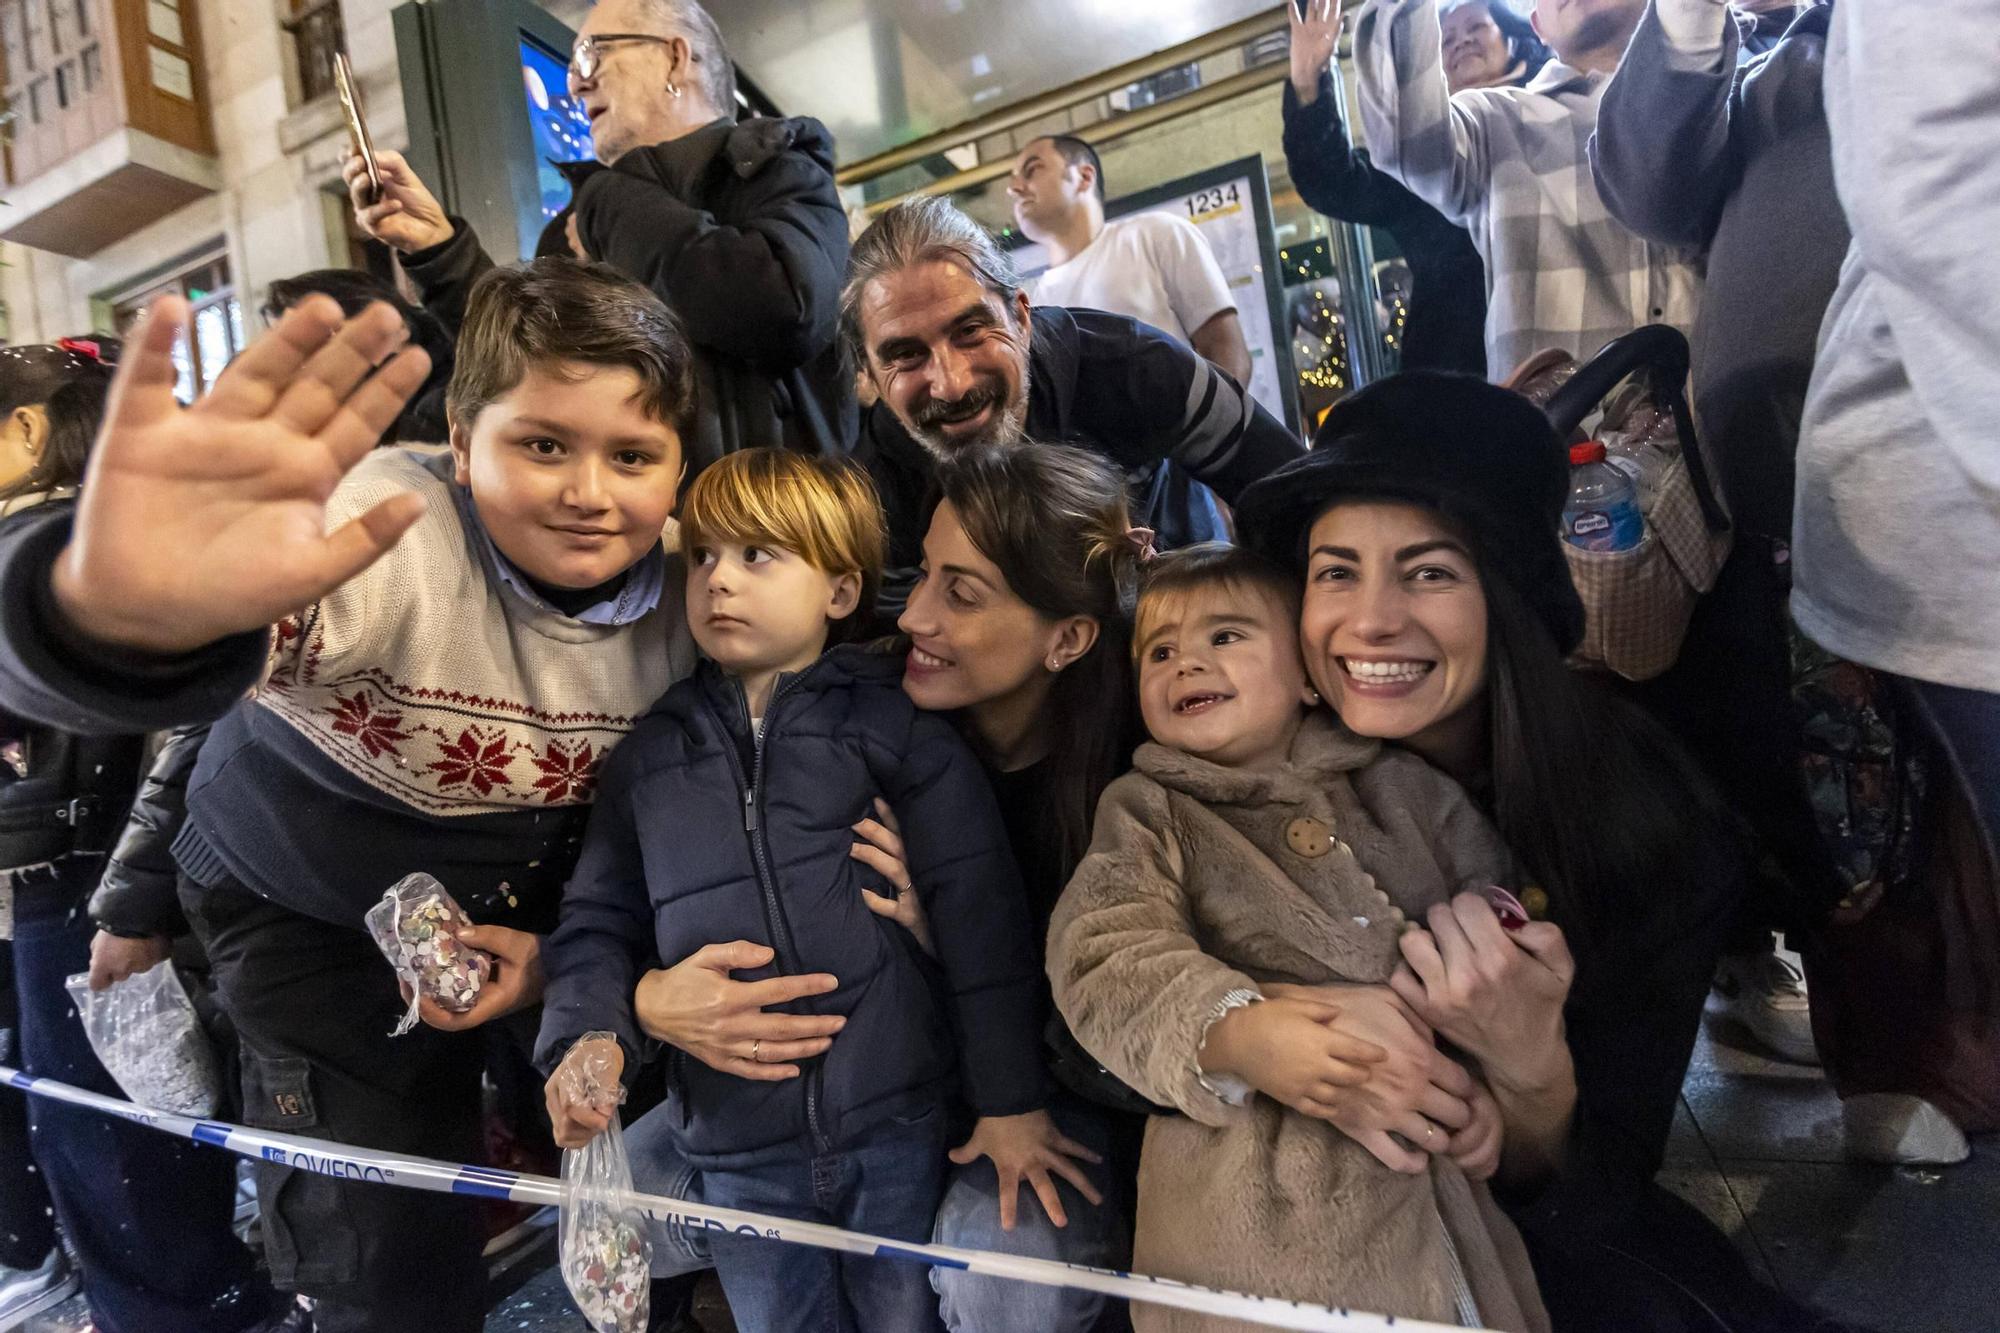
pixel 1202 880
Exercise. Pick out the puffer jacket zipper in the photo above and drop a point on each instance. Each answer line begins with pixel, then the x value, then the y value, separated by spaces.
pixel 767 881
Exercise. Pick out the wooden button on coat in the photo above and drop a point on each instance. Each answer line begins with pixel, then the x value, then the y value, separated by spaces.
pixel 1309 837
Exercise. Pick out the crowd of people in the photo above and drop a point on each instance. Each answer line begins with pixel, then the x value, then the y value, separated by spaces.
pixel 1035 802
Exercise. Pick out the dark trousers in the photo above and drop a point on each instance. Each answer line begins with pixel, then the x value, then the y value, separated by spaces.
pixel 27 1216
pixel 312 1004
pixel 1966 726
pixel 148 1215
pixel 1728 699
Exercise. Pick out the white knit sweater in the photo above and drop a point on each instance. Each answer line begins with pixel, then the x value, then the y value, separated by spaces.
pixel 434 683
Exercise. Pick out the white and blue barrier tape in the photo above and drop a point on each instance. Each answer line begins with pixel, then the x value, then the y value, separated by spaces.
pixel 422 1173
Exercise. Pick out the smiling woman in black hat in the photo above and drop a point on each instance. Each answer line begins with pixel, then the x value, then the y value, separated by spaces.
pixel 1438 614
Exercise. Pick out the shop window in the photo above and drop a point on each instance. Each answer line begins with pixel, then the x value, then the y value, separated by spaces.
pixel 217 321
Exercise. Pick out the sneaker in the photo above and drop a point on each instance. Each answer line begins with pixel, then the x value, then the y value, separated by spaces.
pixel 1766 993
pixel 1901 1130
pixel 29 1291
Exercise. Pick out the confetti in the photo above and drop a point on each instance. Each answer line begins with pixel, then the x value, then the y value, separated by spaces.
pixel 607 1258
pixel 147 1037
pixel 415 925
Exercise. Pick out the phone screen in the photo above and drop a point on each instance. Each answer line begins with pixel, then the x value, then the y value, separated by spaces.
pixel 357 128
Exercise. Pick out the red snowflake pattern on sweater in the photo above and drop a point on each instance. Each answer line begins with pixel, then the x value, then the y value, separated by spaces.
pixel 480 762
pixel 378 732
pixel 567 775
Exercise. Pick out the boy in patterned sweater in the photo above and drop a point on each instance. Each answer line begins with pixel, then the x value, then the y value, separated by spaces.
pixel 480 626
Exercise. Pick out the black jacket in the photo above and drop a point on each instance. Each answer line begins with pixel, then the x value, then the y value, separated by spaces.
pixel 739 229
pixel 704 832
pixel 138 894
pixel 1446 329
pixel 71 799
pixel 1108 384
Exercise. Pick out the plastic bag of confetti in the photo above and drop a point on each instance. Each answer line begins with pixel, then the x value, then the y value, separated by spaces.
pixel 147 1037
pixel 416 926
pixel 607 1259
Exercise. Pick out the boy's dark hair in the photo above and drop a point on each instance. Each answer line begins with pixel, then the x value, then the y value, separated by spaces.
pixel 552 311
pixel 1078 153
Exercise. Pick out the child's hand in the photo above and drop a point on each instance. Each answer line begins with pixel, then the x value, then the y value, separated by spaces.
pixel 516 983
pixel 882 851
pixel 236 486
pixel 1476 1148
pixel 1285 1049
pixel 1029 1149
pixel 584 1092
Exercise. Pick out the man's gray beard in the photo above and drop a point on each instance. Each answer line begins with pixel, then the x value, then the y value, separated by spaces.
pixel 1009 426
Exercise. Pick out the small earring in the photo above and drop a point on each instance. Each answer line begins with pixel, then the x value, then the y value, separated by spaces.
pixel 1313 695
pixel 1055 664
pixel 673 89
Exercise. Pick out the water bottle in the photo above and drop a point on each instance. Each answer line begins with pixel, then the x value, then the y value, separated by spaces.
pixel 1603 509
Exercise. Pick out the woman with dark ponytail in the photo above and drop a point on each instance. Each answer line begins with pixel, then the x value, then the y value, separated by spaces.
pixel 1020 625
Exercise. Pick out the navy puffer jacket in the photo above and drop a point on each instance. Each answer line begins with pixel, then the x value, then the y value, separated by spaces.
pixel 703 834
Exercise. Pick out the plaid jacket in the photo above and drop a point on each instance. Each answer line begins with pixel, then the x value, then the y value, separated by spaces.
pixel 1512 166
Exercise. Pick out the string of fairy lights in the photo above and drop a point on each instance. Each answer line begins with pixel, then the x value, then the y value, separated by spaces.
pixel 1318 330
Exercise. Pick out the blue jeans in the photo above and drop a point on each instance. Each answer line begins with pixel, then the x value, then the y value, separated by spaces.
pixel 148 1215
pixel 1099 1237
pixel 660 1167
pixel 886 1184
pixel 1966 724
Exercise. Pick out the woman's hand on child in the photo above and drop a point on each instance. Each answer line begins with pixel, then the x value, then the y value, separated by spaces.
pixel 516 983
pixel 881 850
pixel 1029 1148
pixel 1416 1091
pixel 1476 1148
pixel 697 1007
pixel 1287 1049
pixel 1499 997
pixel 199 523
pixel 577 1117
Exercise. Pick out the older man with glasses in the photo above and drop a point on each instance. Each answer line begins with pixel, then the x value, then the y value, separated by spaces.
pixel 737 225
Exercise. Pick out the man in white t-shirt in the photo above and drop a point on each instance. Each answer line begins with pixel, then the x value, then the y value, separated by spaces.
pixel 1154 267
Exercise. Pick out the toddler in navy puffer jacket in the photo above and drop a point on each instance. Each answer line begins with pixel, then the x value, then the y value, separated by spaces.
pixel 728 815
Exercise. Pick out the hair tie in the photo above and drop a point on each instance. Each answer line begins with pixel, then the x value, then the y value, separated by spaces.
pixel 83 347
pixel 1142 540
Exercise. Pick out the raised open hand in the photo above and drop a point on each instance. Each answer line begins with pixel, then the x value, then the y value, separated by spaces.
pixel 1315 34
pixel 198 523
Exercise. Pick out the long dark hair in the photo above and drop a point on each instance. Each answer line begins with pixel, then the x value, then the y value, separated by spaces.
pixel 69 381
pixel 422 420
pixel 1054 520
pixel 1601 804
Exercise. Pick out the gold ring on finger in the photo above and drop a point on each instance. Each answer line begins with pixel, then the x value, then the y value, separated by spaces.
pixel 755 1046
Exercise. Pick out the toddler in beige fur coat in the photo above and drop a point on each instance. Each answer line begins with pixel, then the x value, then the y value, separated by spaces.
pixel 1257 844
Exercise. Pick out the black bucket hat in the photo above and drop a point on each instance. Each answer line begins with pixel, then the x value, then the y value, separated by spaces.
pixel 1483 456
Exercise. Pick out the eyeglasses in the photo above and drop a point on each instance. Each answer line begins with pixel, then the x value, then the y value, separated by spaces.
pixel 586 58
